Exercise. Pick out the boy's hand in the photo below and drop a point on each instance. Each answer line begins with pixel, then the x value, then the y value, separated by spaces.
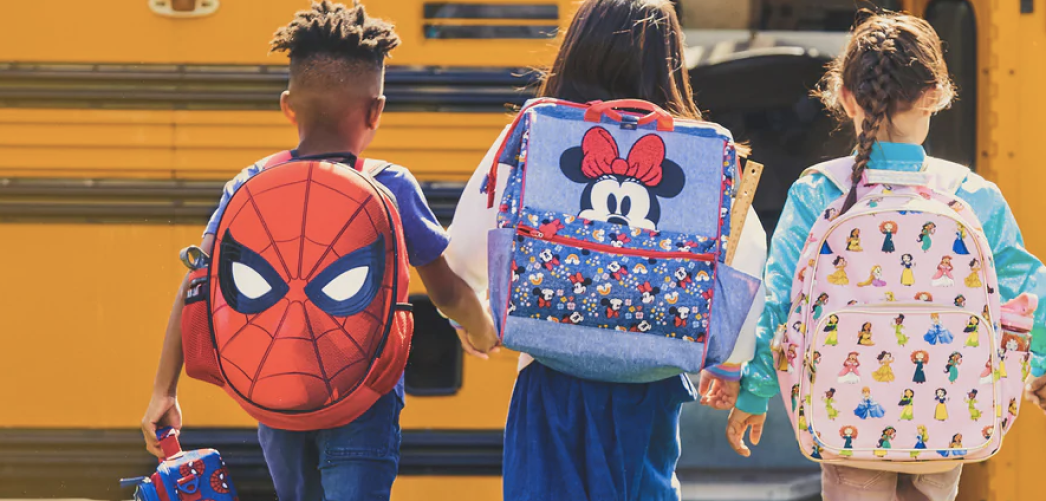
pixel 717 393
pixel 738 424
pixel 479 345
pixel 1035 391
pixel 163 411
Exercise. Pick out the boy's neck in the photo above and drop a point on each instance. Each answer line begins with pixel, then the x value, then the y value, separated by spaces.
pixel 318 143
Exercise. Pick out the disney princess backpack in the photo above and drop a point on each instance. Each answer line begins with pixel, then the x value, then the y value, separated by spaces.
pixel 301 314
pixel 896 349
pixel 608 259
pixel 198 475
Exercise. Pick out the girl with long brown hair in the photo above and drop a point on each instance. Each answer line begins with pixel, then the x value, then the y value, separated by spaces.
pixel 887 84
pixel 569 438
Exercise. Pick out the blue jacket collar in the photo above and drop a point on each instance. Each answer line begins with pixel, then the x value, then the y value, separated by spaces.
pixel 897 156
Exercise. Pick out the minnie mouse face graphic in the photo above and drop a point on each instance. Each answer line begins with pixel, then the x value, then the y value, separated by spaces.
pixel 619 190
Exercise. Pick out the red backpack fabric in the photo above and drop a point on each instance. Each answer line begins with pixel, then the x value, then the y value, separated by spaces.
pixel 301 314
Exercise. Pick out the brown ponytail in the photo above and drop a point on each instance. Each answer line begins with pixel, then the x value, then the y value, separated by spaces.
pixel 890 62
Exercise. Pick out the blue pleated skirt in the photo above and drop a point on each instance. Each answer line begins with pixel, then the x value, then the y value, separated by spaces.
pixel 574 439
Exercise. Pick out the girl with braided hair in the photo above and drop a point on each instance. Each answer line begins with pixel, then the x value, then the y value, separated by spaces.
pixel 887 83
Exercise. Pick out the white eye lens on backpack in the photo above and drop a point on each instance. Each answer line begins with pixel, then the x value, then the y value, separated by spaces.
pixel 249 282
pixel 347 284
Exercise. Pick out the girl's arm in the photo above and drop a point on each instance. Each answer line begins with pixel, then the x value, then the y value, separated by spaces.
pixel 807 200
pixel 1017 269
pixel 467 252
pixel 750 259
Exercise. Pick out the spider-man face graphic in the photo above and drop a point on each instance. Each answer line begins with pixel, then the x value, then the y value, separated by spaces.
pixel 192 468
pixel 301 283
pixel 220 481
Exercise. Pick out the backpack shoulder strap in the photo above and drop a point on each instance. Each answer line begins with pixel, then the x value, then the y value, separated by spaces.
pixel 275 159
pixel 372 166
pixel 837 171
pixel 944 176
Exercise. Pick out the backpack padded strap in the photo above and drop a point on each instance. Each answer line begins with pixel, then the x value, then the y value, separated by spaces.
pixel 945 176
pixel 372 166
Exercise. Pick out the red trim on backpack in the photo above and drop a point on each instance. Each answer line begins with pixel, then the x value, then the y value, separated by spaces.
pixel 161 488
pixel 492 173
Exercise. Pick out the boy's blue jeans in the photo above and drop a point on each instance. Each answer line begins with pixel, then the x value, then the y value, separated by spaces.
pixel 357 462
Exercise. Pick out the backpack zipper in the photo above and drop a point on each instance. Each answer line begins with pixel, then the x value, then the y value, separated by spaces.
pixel 528 231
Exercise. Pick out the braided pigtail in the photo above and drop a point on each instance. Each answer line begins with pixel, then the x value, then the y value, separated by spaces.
pixel 890 63
pixel 874 96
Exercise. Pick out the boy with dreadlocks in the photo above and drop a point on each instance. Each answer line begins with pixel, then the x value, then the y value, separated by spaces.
pixel 335 100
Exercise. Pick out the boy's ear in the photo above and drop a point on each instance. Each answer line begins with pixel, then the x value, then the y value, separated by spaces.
pixel 285 106
pixel 377 106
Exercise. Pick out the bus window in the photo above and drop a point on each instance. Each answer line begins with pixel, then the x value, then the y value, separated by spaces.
pixel 953 135
pixel 445 20
pixel 773 15
pixel 434 366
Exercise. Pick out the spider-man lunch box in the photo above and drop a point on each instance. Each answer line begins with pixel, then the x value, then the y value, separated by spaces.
pixel 198 475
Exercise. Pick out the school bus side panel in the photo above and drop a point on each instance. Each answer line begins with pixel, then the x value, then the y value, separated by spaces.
pixel 128 31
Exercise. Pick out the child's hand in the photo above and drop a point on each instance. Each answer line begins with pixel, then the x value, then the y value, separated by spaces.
pixel 1035 391
pixel 163 411
pixel 717 393
pixel 479 345
pixel 738 424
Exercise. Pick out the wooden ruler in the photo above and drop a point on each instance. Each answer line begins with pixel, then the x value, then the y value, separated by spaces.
pixel 744 193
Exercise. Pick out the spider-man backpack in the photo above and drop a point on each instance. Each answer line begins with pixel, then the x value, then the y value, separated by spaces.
pixel 184 476
pixel 301 314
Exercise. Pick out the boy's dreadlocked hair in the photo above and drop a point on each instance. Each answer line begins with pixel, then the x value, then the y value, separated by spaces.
pixel 335 31
pixel 890 61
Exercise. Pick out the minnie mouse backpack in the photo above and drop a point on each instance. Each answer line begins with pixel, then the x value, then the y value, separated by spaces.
pixel 198 475
pixel 608 260
pixel 897 349
pixel 301 314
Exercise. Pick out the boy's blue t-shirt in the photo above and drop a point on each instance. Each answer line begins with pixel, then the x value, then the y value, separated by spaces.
pixel 426 239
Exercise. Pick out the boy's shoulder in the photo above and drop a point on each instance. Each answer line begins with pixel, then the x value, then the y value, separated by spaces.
pixel 392 176
pixel 389 173
pixel 254 169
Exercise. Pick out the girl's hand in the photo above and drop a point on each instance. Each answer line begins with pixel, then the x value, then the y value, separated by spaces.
pixel 738 424
pixel 479 345
pixel 1035 391
pixel 717 393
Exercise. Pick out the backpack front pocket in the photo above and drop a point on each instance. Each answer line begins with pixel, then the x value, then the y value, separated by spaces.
pixel 901 383
pixel 634 280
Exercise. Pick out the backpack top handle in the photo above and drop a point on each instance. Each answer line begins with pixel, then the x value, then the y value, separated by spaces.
pixel 598 109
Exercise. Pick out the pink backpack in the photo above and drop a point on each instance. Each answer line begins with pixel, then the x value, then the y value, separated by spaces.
pixel 893 349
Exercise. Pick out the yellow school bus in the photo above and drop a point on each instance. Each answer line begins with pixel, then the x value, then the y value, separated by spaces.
pixel 120 120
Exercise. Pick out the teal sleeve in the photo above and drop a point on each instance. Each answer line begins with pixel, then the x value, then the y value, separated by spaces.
pixel 807 200
pixel 1018 271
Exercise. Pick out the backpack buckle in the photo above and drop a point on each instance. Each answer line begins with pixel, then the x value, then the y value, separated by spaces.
pixel 194 258
pixel 189 484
